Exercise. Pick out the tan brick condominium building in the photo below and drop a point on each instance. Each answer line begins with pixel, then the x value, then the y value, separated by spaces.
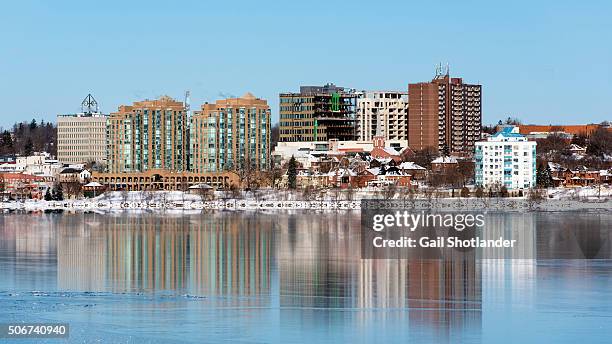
pixel 149 134
pixel 231 134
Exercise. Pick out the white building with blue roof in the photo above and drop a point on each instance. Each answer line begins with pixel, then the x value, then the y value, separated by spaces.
pixel 507 159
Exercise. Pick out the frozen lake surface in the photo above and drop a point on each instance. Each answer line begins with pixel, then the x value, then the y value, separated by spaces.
pixel 291 278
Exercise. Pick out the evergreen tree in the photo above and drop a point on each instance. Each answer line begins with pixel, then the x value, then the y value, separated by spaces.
pixel 6 143
pixel 544 176
pixel 58 193
pixel 28 148
pixel 548 177
pixel 48 196
pixel 292 173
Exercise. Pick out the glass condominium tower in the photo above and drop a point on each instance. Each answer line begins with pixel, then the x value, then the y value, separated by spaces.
pixel 148 135
pixel 231 134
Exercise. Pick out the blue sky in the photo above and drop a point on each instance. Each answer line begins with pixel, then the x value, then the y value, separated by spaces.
pixel 540 61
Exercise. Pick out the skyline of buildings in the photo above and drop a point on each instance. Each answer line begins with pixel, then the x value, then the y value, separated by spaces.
pixel 444 114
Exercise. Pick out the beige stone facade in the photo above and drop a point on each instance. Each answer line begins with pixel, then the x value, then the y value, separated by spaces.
pixel 81 138
pixel 389 108
pixel 165 180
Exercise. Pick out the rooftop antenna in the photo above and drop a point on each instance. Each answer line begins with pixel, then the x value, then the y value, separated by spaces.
pixel 442 70
pixel 89 105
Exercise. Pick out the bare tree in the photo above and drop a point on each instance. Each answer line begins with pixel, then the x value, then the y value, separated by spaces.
pixel 72 189
pixel 235 191
pixel 183 187
pixel 429 194
pixel 389 191
pixel 276 174
pixel 349 193
pixel 124 195
pixel 205 194
pixel 535 197
pixel 308 193
pixel 147 195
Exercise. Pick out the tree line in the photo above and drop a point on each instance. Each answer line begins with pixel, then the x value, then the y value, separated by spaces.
pixel 25 138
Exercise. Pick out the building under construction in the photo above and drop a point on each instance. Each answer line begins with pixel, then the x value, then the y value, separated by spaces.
pixel 318 113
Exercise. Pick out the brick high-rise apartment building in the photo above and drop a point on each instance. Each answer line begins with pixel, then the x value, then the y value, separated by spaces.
pixel 445 114
pixel 147 135
pixel 318 113
pixel 229 134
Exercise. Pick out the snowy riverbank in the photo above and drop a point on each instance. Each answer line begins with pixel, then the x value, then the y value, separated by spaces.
pixel 281 200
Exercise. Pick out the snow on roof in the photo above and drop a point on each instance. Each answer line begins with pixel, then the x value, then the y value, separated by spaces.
pixel 374 170
pixel 396 173
pixel 201 186
pixel 554 166
pixel 409 165
pixel 93 185
pixel 508 132
pixel 574 146
pixel 343 172
pixel 445 160
pixel 391 151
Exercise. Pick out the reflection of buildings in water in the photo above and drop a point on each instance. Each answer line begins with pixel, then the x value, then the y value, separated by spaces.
pixel 510 226
pixel 199 254
pixel 27 243
pixel 509 273
pixel 31 234
pixel 584 236
pixel 443 296
pixel 317 259
pixel 146 252
pixel 81 263
pixel 231 254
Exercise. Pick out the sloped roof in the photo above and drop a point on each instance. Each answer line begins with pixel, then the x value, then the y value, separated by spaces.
pixel 445 160
pixel 409 165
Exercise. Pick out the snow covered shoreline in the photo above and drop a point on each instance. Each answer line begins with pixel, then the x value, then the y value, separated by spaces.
pixel 440 204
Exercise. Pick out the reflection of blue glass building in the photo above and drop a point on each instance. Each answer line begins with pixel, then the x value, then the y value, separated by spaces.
pixel 506 159
pixel 230 135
